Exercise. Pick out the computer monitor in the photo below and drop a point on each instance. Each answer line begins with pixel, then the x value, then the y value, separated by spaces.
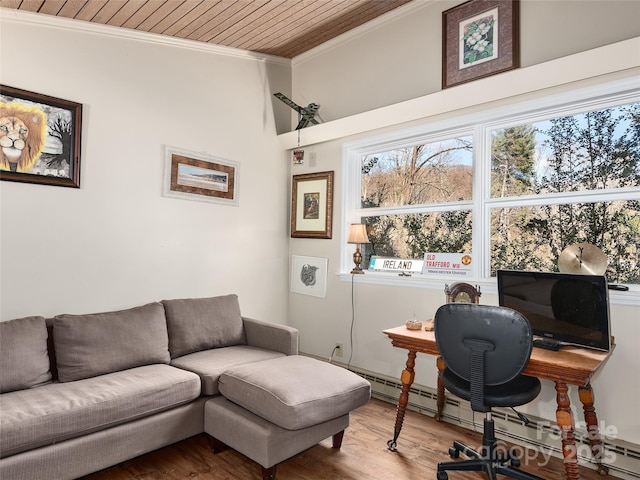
pixel 563 307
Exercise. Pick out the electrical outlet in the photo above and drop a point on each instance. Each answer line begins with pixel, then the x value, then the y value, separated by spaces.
pixel 339 349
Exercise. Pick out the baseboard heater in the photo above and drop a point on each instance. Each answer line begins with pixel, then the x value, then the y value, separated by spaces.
pixel 626 464
pixel 540 434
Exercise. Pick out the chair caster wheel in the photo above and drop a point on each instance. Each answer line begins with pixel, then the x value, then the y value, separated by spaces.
pixel 442 476
pixel 515 462
pixel 453 453
pixel 392 444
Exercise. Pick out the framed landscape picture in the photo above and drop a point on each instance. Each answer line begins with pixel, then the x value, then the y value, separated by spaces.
pixel 311 205
pixel 479 38
pixel 40 138
pixel 200 177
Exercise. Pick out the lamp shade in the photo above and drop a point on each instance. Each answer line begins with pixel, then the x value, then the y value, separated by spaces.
pixel 358 233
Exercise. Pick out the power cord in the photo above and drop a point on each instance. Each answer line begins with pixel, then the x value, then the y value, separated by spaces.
pixel 333 353
pixel 353 319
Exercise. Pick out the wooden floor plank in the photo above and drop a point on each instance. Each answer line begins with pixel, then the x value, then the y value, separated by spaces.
pixel 364 455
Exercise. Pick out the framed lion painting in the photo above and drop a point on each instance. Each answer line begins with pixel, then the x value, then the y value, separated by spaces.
pixel 40 138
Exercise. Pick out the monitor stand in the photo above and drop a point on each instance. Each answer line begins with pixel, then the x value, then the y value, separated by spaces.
pixel 547 344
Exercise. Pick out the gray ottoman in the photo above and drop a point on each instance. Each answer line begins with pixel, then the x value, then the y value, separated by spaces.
pixel 274 409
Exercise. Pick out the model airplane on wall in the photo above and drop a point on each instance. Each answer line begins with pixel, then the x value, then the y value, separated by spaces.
pixel 306 115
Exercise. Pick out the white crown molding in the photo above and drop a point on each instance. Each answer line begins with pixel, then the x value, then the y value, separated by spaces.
pixel 21 17
pixel 617 58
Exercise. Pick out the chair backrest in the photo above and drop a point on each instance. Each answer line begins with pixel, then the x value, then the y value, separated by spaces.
pixel 498 336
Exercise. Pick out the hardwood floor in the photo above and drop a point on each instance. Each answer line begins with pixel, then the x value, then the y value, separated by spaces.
pixel 364 455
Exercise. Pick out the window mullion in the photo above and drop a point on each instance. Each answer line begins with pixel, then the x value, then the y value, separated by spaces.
pixel 481 192
pixel 562 198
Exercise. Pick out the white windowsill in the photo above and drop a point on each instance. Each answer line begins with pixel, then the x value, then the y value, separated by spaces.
pixel 489 286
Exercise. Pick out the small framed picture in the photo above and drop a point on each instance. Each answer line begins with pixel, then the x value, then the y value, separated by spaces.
pixel 200 177
pixel 309 275
pixel 311 205
pixel 298 157
pixel 40 138
pixel 479 38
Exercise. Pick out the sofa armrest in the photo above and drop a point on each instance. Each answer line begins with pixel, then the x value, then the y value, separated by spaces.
pixel 271 336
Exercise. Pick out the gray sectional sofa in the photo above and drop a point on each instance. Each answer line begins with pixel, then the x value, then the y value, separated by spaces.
pixel 79 393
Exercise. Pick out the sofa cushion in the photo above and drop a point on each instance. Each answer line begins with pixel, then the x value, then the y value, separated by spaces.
pixel 59 411
pixel 295 392
pixel 90 345
pixel 210 364
pixel 24 360
pixel 197 324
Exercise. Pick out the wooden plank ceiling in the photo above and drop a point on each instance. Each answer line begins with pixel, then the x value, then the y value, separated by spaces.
pixel 284 28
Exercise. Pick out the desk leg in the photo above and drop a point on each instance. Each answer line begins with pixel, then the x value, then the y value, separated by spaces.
pixel 587 399
pixel 407 379
pixel 564 418
pixel 440 392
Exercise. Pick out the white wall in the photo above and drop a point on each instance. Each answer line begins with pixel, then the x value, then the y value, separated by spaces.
pixel 399 57
pixel 117 242
pixel 400 61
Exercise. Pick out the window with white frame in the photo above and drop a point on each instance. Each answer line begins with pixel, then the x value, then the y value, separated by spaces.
pixel 510 189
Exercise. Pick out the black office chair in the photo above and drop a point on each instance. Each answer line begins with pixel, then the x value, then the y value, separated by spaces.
pixel 485 349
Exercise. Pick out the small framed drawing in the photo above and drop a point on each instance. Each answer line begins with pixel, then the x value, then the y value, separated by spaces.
pixel 200 177
pixel 309 275
pixel 311 205
pixel 479 38
pixel 40 138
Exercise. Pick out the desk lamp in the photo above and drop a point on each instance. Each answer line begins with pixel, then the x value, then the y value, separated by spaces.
pixel 357 235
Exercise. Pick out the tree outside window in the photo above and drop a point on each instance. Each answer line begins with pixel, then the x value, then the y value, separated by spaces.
pixel 577 160
pixel 541 186
pixel 425 178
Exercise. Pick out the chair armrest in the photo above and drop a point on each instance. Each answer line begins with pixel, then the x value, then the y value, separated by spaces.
pixel 271 336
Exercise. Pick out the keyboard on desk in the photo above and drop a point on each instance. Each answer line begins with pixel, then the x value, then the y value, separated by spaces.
pixel 547 344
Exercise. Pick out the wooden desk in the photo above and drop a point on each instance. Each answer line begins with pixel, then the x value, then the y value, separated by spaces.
pixel 569 365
